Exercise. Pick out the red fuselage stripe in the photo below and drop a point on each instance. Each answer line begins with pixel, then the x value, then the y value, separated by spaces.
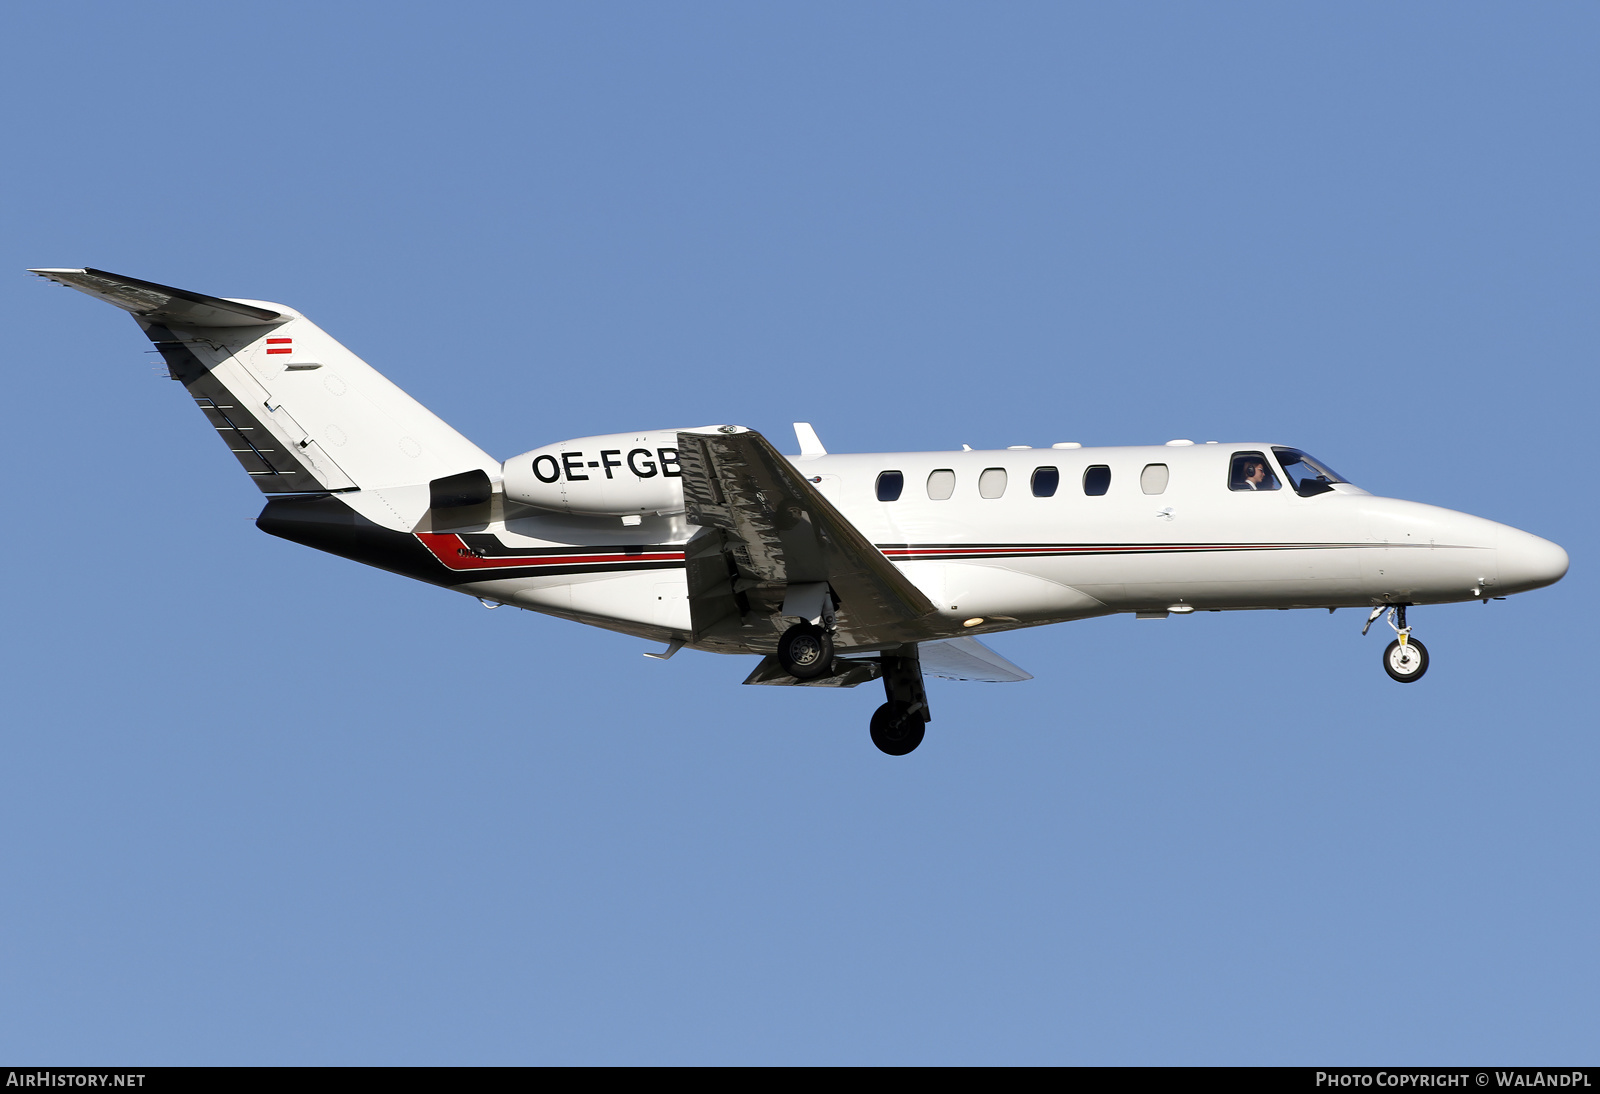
pixel 452 550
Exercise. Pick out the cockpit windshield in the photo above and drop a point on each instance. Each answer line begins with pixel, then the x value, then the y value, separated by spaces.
pixel 1308 476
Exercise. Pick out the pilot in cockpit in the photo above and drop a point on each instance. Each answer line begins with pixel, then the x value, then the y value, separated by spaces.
pixel 1252 473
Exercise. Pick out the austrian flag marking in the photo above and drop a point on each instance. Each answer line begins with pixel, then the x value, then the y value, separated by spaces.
pixel 280 345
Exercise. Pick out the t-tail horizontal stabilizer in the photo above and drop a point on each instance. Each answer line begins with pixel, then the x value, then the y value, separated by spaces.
pixel 162 302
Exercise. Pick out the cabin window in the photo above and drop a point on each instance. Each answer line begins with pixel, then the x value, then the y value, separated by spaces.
pixel 992 483
pixel 1097 480
pixel 1045 481
pixel 890 483
pixel 1251 471
pixel 941 484
pixel 1153 479
pixel 1309 477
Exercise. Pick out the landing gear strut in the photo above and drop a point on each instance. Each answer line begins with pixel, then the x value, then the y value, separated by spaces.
pixel 1405 659
pixel 898 725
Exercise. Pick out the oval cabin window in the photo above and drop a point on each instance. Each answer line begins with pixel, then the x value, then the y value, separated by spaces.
pixel 1045 481
pixel 1097 480
pixel 941 484
pixel 890 483
pixel 1153 479
pixel 992 483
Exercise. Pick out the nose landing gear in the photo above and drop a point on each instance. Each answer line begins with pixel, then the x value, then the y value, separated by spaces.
pixel 1405 659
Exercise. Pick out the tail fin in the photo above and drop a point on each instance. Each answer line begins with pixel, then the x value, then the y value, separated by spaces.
pixel 300 412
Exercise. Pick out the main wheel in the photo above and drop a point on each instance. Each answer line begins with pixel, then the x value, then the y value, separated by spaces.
pixel 805 651
pixel 1405 663
pixel 896 732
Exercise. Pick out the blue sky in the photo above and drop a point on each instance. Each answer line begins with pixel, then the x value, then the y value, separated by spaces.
pixel 263 805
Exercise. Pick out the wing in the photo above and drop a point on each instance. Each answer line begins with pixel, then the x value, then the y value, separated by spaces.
pixel 968 659
pixel 765 529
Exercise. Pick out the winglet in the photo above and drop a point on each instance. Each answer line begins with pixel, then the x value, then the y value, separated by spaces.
pixel 810 444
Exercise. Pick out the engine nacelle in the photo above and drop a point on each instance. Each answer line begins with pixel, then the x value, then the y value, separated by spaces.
pixel 617 475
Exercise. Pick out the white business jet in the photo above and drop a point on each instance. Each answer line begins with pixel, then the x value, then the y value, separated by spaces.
pixel 837 569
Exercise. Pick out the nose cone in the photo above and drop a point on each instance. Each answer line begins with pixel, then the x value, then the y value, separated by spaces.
pixel 1528 562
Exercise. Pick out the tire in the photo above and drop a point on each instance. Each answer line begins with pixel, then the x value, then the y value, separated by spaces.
pixel 1409 670
pixel 805 652
pixel 896 732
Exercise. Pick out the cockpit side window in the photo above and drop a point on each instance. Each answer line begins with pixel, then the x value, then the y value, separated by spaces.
pixel 1309 477
pixel 1251 471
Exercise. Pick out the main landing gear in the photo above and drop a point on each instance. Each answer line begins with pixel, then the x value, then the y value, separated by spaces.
pixel 898 725
pixel 1405 659
pixel 805 651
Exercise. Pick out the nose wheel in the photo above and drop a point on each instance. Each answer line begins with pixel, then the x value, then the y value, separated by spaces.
pixel 1405 659
pixel 1405 663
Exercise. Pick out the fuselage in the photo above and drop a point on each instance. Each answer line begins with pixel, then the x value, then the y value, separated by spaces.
pixel 1023 537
